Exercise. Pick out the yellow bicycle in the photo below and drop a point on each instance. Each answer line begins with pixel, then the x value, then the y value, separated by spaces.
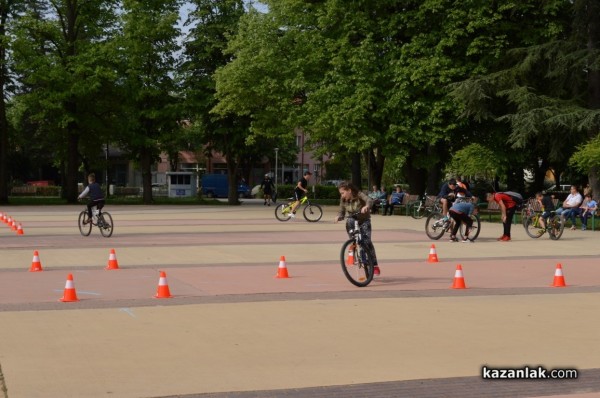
pixel 312 212
pixel 555 225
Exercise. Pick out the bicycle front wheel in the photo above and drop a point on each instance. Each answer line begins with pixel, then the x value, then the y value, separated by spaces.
pixel 532 227
pixel 434 226
pixel 356 264
pixel 283 212
pixel 105 223
pixel 84 229
pixel 475 228
pixel 313 212
pixel 557 226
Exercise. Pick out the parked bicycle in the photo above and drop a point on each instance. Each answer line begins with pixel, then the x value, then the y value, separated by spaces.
pixel 436 226
pixel 103 220
pixel 356 258
pixel 312 212
pixel 418 209
pixel 555 225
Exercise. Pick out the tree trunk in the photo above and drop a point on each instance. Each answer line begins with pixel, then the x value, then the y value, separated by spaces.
pixel 232 197
pixel 376 162
pixel 356 176
pixel 146 166
pixel 3 149
pixel 72 169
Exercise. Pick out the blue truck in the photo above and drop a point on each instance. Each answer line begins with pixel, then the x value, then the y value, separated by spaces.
pixel 216 186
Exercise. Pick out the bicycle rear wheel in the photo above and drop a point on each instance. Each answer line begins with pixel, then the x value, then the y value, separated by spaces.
pixel 417 210
pixel 532 227
pixel 557 226
pixel 434 226
pixel 105 223
pixel 313 212
pixel 283 211
pixel 357 268
pixel 84 229
pixel 475 228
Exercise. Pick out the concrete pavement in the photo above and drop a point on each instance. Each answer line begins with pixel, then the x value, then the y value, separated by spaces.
pixel 233 327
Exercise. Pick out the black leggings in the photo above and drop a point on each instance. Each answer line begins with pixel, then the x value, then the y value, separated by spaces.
pixel 459 218
pixel 98 203
pixel 365 230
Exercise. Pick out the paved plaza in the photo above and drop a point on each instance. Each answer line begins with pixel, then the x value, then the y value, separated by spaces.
pixel 234 330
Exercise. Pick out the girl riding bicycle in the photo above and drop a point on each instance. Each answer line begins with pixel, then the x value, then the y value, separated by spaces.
pixel 354 202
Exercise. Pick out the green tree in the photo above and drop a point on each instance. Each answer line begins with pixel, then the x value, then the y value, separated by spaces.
pixel 545 85
pixel 60 56
pixel 148 48
pixel 213 23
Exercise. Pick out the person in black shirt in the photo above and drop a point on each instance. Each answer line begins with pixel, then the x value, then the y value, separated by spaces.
pixel 300 191
pixel 96 196
pixel 547 206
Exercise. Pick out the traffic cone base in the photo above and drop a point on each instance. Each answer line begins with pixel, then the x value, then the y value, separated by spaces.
pixel 282 271
pixel 69 294
pixel 163 287
pixel 559 279
pixel 112 260
pixel 36 265
pixel 459 280
pixel 20 230
pixel 433 258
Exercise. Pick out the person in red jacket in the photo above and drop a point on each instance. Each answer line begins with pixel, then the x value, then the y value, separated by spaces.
pixel 507 208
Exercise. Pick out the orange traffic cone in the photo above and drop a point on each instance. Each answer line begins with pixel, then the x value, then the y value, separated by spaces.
pixel 559 279
pixel 350 258
pixel 13 226
pixel 163 287
pixel 459 280
pixel 112 260
pixel 70 294
pixel 9 221
pixel 433 258
pixel 282 271
pixel 20 230
pixel 36 265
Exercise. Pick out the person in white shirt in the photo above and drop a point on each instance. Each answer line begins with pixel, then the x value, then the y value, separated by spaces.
pixel 570 206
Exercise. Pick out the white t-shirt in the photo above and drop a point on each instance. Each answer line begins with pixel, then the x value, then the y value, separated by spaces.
pixel 574 200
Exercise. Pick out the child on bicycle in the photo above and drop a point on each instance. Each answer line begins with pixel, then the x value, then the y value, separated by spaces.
pixel 96 196
pixel 300 191
pixel 353 201
pixel 547 205
pixel 461 211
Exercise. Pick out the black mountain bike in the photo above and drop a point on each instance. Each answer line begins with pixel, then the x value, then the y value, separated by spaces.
pixel 356 258
pixel 103 220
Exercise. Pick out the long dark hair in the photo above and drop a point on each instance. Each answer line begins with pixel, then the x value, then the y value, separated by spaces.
pixel 347 185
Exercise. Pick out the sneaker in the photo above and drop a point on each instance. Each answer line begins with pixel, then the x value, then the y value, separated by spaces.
pixel 502 237
pixel 541 232
pixel 505 238
pixel 583 227
pixel 466 240
pixel 264 204
pixel 573 228
pixel 292 215
pixel 376 271
pixel 453 239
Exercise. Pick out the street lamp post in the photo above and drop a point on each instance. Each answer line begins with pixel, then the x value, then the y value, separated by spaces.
pixel 276 151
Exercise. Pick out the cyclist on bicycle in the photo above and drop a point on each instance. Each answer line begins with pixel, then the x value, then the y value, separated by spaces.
pixel 448 193
pixel 353 201
pixel 96 196
pixel 300 191
pixel 461 211
pixel 547 207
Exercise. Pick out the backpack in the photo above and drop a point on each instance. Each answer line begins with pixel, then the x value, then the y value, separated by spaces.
pixel 516 197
